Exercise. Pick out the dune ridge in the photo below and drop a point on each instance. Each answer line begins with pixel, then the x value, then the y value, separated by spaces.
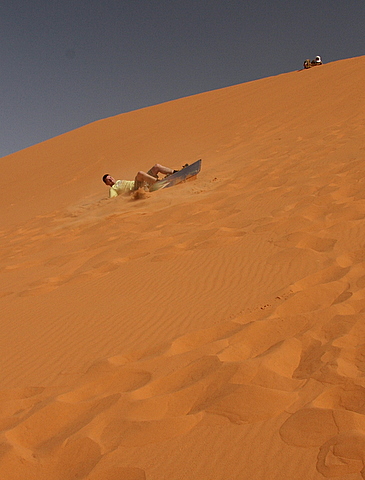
pixel 213 330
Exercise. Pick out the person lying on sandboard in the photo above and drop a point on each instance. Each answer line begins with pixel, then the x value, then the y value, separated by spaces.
pixel 124 187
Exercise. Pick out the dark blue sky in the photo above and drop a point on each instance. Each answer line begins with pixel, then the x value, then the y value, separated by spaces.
pixel 67 63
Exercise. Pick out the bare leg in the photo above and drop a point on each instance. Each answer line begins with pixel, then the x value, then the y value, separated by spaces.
pixel 151 176
pixel 156 169
pixel 143 177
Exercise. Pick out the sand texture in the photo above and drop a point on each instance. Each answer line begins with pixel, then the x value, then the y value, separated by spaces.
pixel 211 331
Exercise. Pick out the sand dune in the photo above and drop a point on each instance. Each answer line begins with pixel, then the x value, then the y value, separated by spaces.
pixel 214 330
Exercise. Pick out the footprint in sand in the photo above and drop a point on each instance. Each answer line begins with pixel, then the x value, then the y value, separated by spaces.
pixel 102 379
pixel 16 405
pixel 196 340
pixel 342 455
pixel 192 373
pixel 309 427
pixel 62 419
pixel 76 458
pixel 351 258
pixel 306 240
pixel 242 404
pixel 313 298
pixel 326 275
pixel 121 432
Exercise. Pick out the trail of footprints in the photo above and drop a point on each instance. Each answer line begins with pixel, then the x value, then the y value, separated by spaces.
pixel 253 368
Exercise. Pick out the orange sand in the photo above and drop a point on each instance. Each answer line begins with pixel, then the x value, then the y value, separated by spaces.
pixel 211 331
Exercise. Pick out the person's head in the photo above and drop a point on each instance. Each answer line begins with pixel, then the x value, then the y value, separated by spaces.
pixel 108 180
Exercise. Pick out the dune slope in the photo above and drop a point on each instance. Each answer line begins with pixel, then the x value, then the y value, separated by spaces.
pixel 214 330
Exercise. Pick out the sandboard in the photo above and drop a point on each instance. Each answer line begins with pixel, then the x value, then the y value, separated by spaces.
pixel 178 177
